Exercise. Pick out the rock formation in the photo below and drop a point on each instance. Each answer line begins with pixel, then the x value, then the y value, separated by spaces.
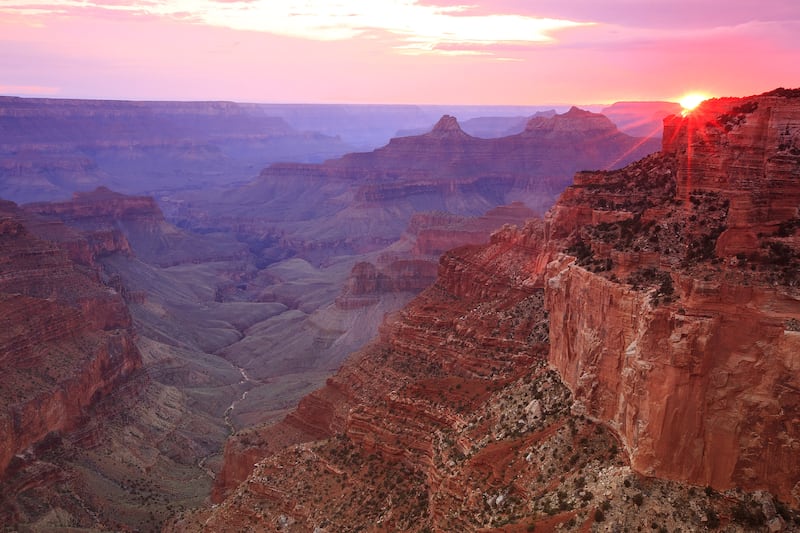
pixel 669 321
pixel 65 339
pixel 367 199
pixel 432 234
pixel 693 358
pixel 104 428
pixel 117 222
pixel 50 148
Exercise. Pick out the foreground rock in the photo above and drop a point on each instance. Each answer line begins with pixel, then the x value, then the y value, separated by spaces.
pixel 677 325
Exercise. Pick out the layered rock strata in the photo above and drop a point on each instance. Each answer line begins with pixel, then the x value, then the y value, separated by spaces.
pixel 367 199
pixel 676 325
pixel 65 339
pixel 114 222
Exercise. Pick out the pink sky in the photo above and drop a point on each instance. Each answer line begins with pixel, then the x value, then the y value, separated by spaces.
pixel 398 51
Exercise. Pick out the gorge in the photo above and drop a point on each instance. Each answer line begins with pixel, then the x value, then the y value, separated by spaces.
pixel 627 357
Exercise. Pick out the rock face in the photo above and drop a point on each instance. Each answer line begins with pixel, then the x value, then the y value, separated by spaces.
pixel 401 416
pixel 65 339
pixel 435 233
pixel 684 346
pixel 100 436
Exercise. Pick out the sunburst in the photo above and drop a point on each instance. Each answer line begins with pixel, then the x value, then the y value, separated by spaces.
pixel 691 100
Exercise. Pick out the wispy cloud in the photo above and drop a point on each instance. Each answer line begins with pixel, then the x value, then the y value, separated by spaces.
pixel 28 90
pixel 416 28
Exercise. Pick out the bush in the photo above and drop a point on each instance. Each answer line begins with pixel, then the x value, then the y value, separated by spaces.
pixel 712 520
pixel 752 517
pixel 582 252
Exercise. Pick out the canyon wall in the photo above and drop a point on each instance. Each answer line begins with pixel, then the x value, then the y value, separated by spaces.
pixel 366 200
pixel 65 339
pixel 50 148
pixel 694 361
pixel 113 222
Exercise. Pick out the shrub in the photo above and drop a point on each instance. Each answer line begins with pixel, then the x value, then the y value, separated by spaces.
pixel 712 520
pixel 582 251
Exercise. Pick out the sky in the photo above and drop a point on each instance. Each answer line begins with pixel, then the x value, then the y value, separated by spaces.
pixel 515 52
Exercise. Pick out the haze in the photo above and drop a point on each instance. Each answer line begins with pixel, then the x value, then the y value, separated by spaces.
pixel 397 51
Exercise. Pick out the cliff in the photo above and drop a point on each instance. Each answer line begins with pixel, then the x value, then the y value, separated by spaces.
pixel 65 340
pixel 113 222
pixel 682 344
pixel 677 323
pixel 432 234
pixel 415 414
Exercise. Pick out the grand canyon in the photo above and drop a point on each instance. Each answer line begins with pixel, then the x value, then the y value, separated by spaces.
pixel 235 317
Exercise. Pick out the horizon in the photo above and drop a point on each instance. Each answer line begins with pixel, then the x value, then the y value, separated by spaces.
pixel 396 52
pixel 545 106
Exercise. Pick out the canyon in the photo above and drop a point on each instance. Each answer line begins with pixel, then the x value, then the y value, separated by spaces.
pixel 625 358
pixel 155 327
pixel 50 148
pixel 628 361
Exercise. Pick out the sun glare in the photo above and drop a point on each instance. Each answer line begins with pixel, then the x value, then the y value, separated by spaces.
pixel 692 100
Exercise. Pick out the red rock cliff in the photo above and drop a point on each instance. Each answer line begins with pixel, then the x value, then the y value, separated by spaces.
pixel 65 339
pixel 677 324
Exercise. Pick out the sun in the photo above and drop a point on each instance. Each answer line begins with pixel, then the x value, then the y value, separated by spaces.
pixel 691 100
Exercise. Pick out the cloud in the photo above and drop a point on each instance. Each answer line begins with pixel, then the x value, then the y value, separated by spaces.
pixel 28 90
pixel 638 13
pixel 414 26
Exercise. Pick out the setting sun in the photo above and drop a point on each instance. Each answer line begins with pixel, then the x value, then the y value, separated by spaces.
pixel 692 100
